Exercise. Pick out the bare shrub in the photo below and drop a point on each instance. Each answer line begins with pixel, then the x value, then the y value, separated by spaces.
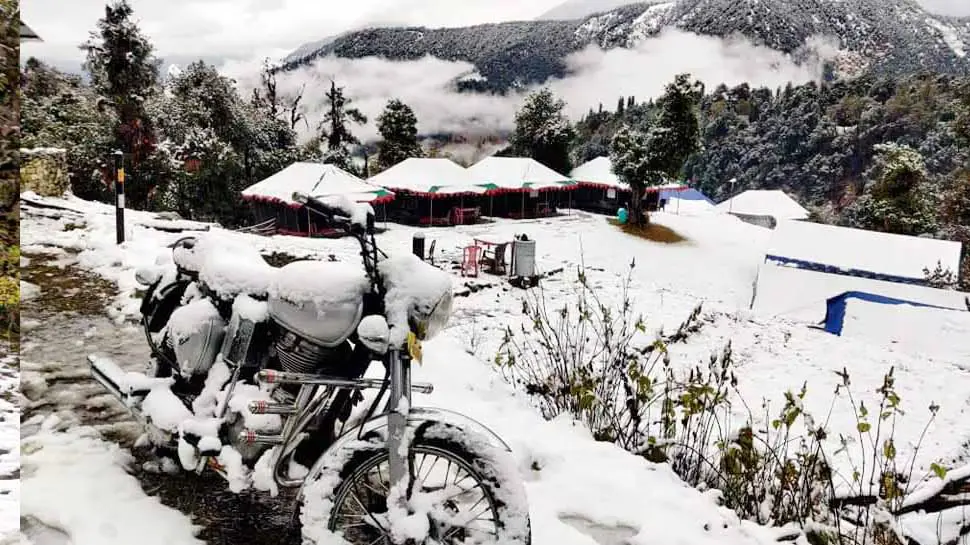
pixel 596 362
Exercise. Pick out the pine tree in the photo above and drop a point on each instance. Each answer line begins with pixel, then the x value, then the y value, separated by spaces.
pixel 124 72
pixel 630 103
pixel 399 133
pixel 895 200
pixel 335 130
pixel 643 159
pixel 542 131
pixel 619 107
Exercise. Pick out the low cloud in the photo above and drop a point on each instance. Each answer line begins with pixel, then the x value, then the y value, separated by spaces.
pixel 598 76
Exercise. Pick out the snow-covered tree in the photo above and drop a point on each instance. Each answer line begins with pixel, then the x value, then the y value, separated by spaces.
pixel 335 128
pixel 399 132
pixel 542 132
pixel 59 110
pixel 894 200
pixel 279 105
pixel 124 72
pixel 643 159
pixel 203 120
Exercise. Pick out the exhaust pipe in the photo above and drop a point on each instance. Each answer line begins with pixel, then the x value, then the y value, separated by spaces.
pixel 114 379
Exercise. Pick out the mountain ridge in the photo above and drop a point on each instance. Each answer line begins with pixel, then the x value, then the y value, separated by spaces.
pixel 884 36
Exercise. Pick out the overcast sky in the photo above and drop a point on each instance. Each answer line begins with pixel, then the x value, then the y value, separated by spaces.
pixel 184 30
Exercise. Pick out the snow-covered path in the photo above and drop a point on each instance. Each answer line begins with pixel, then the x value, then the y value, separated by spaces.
pixel 581 491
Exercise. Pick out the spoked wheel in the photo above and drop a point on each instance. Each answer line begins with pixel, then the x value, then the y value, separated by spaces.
pixel 457 497
pixel 460 507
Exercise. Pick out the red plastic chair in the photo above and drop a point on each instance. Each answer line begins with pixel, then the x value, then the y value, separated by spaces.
pixel 469 262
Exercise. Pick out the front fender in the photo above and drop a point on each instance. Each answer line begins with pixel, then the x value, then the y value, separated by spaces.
pixel 416 417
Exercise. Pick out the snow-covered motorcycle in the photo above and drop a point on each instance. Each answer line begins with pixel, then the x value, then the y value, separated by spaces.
pixel 256 373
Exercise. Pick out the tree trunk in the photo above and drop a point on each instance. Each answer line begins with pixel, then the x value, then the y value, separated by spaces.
pixel 637 216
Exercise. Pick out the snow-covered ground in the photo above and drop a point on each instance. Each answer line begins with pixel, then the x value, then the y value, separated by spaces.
pixel 584 491
pixel 9 448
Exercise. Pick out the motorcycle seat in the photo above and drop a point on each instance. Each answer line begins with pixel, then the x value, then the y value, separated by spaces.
pixel 230 268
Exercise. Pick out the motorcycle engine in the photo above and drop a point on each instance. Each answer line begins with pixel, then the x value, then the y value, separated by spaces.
pixel 315 307
pixel 298 354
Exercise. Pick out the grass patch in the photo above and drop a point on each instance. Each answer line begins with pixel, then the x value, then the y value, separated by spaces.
pixel 651 231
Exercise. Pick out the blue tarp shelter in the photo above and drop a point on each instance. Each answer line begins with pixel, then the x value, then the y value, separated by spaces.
pixel 688 195
pixel 835 307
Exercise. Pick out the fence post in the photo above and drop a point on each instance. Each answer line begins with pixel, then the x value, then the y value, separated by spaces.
pixel 120 196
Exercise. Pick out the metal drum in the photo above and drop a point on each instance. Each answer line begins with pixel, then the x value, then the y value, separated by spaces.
pixel 524 258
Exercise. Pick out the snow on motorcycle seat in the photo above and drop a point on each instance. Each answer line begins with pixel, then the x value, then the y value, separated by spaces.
pixel 231 267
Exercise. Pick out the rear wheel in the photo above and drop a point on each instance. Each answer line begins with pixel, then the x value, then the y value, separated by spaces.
pixel 461 492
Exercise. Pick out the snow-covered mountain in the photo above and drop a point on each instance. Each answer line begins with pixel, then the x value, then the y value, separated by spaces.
pixel 578 9
pixel 894 36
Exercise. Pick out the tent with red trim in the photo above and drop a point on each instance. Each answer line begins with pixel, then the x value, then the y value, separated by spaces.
pixel 517 175
pixel 520 187
pixel 430 177
pixel 602 190
pixel 315 180
pixel 431 191
pixel 272 198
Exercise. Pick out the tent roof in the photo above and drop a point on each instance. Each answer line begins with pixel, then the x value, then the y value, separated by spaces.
pixel 598 171
pixel 516 173
pixel 802 294
pixel 848 249
pixel 687 194
pixel 436 175
pixel 763 202
pixel 315 180
pixel 27 34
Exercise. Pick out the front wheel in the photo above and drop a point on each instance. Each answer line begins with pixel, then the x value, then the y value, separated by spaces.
pixel 462 491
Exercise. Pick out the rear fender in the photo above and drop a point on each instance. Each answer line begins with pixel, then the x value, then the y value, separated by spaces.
pixel 416 417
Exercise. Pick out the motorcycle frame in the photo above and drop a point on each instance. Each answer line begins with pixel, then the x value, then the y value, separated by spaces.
pixel 309 402
pixel 307 405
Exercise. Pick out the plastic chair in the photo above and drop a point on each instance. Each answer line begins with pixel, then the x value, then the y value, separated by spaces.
pixel 469 262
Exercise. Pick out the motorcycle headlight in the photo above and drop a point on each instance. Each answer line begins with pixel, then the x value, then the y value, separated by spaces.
pixel 429 320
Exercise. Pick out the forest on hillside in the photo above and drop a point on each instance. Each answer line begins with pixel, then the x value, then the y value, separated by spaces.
pixel 832 146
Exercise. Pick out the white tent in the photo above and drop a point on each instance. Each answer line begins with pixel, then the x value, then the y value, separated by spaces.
pixel 315 180
pixel 858 252
pixel 598 172
pixel 800 294
pixel 766 203
pixel 427 176
pixel 517 174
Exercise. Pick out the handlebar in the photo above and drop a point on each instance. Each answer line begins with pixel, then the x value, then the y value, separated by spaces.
pixel 338 215
pixel 360 228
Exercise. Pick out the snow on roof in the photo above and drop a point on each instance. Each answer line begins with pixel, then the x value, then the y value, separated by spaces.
pixel 802 294
pixel 762 202
pixel 598 171
pixel 315 180
pixel 898 256
pixel 926 331
pixel 435 175
pixel 516 173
